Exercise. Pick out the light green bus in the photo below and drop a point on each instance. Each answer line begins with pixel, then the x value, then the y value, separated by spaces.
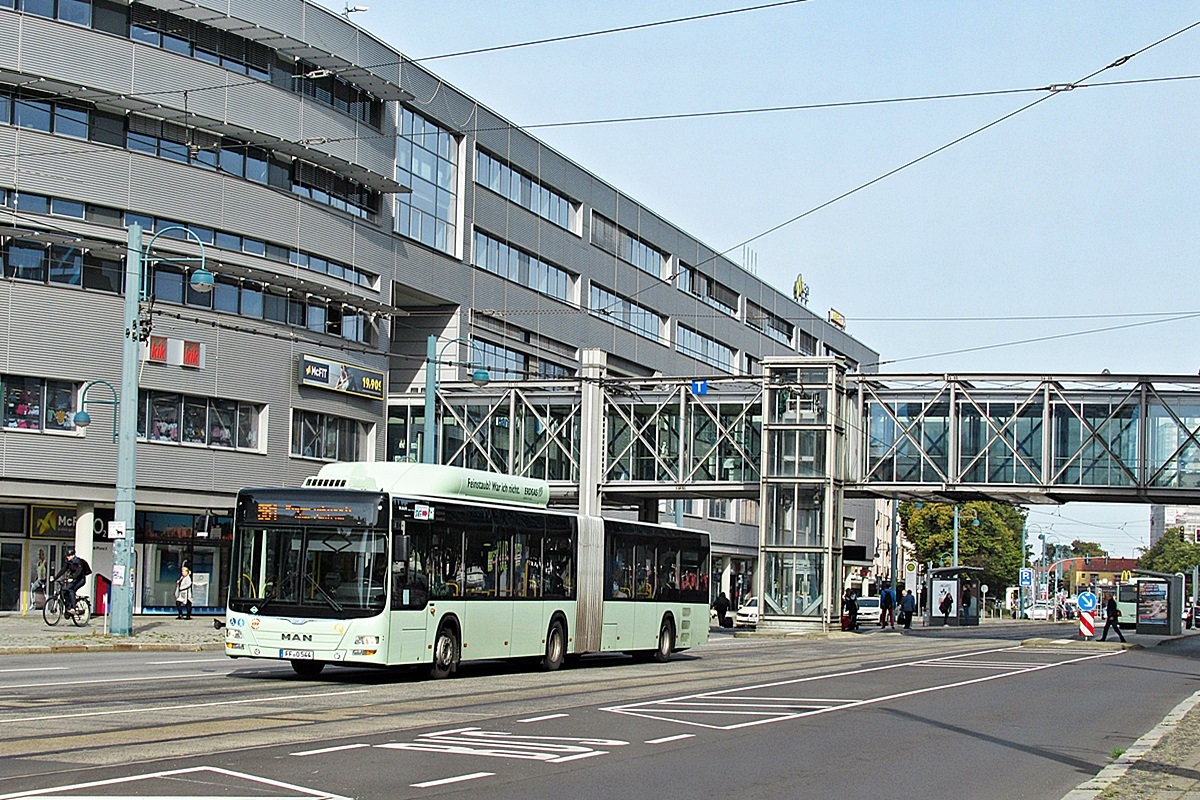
pixel 392 564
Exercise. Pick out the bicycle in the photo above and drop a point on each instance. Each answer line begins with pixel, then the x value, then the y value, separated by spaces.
pixel 55 608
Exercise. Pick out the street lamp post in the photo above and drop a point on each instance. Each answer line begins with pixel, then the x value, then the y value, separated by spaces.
pixel 479 377
pixel 136 331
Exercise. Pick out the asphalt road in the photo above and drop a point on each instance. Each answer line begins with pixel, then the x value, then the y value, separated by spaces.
pixel 915 716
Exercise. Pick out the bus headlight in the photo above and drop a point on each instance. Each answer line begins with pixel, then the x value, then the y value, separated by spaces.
pixel 366 640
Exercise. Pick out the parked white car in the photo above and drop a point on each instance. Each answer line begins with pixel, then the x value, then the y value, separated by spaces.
pixel 747 615
pixel 868 611
pixel 1039 611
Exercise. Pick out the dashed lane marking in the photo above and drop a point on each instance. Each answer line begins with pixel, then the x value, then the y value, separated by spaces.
pixel 546 717
pixel 675 738
pixel 329 749
pixel 455 779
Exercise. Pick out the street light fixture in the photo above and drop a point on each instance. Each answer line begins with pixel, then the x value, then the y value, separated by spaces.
pixel 137 330
pixel 479 377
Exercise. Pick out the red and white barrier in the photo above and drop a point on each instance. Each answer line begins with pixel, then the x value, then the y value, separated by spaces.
pixel 1087 624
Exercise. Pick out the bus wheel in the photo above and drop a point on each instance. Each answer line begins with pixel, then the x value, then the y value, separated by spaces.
pixel 446 651
pixel 556 647
pixel 666 641
pixel 307 669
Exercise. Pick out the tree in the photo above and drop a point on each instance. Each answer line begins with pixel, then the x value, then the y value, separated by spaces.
pixel 1081 548
pixel 994 545
pixel 1170 553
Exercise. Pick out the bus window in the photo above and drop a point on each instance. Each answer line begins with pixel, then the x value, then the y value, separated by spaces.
pixel 667 584
pixel 410 578
pixel 558 563
pixel 445 563
pixel 620 565
pixel 643 558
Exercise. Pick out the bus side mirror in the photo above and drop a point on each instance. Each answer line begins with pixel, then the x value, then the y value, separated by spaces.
pixel 218 623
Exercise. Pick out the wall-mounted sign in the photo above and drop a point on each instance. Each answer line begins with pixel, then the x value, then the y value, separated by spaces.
pixel 837 318
pixel 49 522
pixel 176 352
pixel 341 377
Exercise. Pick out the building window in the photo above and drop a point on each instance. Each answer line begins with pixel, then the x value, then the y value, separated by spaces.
pixel 708 350
pixel 626 313
pixel 36 404
pixel 186 419
pixel 326 437
pixel 770 324
pixel 500 362
pixel 612 238
pixel 521 267
pixel 427 162
pixel 525 191
pixel 711 291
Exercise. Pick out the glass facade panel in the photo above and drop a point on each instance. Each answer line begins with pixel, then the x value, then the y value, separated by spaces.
pixel 426 161
pixel 793 584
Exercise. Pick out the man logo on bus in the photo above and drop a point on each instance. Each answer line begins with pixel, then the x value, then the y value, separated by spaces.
pixel 296 637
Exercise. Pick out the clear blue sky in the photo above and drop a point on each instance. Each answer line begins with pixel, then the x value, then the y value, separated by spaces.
pixel 1085 204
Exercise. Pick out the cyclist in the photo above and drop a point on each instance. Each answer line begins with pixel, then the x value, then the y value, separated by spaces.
pixel 76 571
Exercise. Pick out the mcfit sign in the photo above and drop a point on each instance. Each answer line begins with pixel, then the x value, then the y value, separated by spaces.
pixel 341 377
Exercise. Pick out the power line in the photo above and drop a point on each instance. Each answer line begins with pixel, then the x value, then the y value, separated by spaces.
pixel 604 32
pixel 1033 340
pixel 1054 90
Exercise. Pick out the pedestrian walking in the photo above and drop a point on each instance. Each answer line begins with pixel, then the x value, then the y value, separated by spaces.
pixel 946 606
pixel 721 606
pixel 908 607
pixel 183 594
pixel 887 607
pixel 1112 616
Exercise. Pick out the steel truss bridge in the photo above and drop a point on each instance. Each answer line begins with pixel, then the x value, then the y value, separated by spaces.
pixel 805 435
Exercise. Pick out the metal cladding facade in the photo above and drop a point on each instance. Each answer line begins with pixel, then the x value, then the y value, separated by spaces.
pixel 272 128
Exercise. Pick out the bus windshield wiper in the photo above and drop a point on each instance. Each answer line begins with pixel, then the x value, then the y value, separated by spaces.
pixel 334 604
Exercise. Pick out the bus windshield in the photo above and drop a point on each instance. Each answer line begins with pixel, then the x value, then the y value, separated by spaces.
pixel 312 571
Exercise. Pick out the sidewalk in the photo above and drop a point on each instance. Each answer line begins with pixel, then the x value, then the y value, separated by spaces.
pixel 30 634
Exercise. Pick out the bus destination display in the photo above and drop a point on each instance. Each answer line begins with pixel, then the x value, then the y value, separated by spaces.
pixel 294 508
pixel 271 512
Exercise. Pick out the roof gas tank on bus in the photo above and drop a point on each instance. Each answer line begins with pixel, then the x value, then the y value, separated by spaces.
pixel 431 480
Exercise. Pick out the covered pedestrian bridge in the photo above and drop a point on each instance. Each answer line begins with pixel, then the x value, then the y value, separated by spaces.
pixel 805 435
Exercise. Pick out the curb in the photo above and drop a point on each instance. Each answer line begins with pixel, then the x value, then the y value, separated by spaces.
pixel 110 647
pixel 1089 789
pixel 1080 644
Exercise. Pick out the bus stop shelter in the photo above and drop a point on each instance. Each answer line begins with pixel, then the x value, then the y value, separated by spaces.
pixel 961 585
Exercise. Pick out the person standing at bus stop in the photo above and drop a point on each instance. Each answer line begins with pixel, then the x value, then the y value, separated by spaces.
pixel 1112 617
pixel 908 607
pixel 887 607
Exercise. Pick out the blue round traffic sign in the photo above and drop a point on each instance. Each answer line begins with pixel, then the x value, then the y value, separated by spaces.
pixel 1087 601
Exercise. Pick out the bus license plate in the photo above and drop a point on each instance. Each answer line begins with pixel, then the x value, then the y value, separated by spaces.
pixel 296 654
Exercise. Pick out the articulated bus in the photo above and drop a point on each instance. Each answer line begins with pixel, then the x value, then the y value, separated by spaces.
pixel 391 564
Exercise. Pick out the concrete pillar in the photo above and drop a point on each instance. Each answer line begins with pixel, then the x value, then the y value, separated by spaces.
pixel 591 438
pixel 85 525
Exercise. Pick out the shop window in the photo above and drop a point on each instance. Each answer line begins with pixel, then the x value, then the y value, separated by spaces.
pixel 60 405
pixel 66 265
pixel 195 420
pixel 164 418
pixel 222 420
pixel 27 261
pixel 22 402
pixel 247 427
